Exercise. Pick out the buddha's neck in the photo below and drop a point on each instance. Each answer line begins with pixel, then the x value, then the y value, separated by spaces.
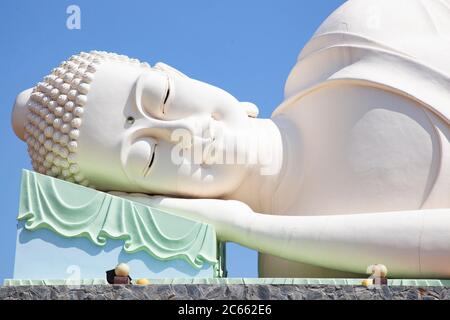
pixel 267 172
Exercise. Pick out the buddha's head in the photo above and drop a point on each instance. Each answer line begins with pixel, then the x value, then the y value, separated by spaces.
pixel 114 123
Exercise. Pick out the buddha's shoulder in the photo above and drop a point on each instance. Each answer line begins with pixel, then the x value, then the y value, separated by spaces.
pixel 363 42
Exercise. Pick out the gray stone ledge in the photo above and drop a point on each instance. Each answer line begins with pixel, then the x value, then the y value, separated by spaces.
pixel 227 292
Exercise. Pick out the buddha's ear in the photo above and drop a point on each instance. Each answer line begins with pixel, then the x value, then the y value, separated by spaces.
pixel 251 109
pixel 165 67
pixel 19 114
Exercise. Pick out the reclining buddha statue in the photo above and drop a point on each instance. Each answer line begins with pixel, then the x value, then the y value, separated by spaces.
pixel 352 169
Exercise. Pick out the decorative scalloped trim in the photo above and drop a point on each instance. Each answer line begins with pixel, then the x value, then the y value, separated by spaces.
pixel 103 216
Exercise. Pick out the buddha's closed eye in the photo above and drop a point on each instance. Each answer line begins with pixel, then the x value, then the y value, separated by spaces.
pixel 152 93
pixel 141 156
pixel 152 158
pixel 167 96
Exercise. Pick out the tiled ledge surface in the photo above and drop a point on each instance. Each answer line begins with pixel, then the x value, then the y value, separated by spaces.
pixel 223 291
pixel 237 281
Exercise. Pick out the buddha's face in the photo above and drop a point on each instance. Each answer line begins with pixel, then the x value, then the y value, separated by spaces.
pixel 155 130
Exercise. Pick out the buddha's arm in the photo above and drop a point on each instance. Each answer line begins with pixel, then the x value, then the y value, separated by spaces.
pixel 408 242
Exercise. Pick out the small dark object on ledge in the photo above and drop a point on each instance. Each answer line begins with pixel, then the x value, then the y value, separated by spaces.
pixel 380 281
pixel 122 280
pixel 111 277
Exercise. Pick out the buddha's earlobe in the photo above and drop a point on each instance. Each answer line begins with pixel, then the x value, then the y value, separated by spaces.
pixel 251 109
pixel 19 114
pixel 165 67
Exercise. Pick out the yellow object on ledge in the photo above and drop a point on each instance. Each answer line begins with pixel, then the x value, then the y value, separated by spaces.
pixel 367 282
pixel 142 282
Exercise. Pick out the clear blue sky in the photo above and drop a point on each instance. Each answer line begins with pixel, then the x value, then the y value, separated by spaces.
pixel 244 47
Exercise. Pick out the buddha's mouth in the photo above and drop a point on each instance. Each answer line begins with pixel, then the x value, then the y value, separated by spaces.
pixel 209 151
pixel 147 169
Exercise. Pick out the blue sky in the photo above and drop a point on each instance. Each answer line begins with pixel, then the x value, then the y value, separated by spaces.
pixel 244 47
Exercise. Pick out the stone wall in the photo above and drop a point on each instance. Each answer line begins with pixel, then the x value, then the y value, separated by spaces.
pixel 249 292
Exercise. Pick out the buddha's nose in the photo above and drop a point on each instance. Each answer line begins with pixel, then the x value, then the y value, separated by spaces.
pixel 171 130
pixel 19 114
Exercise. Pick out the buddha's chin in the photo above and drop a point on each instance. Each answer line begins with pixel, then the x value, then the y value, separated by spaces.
pixel 210 181
pixel 189 181
pixel 188 189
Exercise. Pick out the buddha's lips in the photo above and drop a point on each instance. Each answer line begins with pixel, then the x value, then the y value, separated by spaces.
pixel 208 149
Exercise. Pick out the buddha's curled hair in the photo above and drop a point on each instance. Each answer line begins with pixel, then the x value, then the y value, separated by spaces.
pixel 55 111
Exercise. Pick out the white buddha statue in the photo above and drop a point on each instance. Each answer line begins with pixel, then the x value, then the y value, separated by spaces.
pixel 353 168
